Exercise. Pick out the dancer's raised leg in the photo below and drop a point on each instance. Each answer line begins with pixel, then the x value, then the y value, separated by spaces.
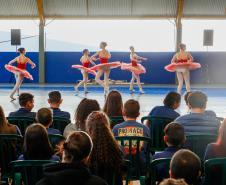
pixel 180 82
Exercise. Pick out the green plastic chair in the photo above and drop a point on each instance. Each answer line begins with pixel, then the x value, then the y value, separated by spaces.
pixel 215 171
pixel 21 122
pixel 116 120
pixel 10 148
pixel 198 143
pixel 60 123
pixel 157 131
pixel 133 145
pixel 55 139
pixel 28 171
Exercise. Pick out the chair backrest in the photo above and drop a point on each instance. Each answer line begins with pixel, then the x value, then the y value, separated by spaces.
pixel 28 171
pixel 55 139
pixel 60 123
pixel 137 150
pixel 162 164
pixel 215 171
pixel 21 122
pixel 10 148
pixel 116 120
pixel 157 126
pixel 198 143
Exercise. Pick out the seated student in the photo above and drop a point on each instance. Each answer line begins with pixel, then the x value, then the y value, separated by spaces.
pixel 55 102
pixel 85 107
pixel 171 103
pixel 26 101
pixel 37 145
pixel 186 165
pixel 5 127
pixel 104 145
pixel 218 149
pixel 174 139
pixel 73 169
pixel 45 117
pixel 199 120
pixel 186 97
pixel 171 181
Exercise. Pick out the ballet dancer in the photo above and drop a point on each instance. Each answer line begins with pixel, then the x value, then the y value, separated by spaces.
pixel 104 67
pixel 86 61
pixel 136 68
pixel 182 63
pixel 20 71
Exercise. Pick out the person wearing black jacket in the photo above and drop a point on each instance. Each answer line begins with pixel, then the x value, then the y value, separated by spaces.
pixel 72 170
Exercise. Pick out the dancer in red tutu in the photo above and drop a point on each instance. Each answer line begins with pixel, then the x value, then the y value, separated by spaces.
pixel 104 67
pixel 135 68
pixel 20 71
pixel 86 61
pixel 182 63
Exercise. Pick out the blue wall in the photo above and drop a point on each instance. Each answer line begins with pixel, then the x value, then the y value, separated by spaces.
pixel 58 67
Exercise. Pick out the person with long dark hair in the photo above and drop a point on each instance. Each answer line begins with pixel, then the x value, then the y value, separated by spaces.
pixel 85 107
pixel 106 157
pixel 20 71
pixel 37 145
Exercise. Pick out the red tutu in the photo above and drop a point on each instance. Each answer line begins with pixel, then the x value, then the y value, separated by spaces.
pixel 139 69
pixel 17 70
pixel 88 70
pixel 105 66
pixel 182 66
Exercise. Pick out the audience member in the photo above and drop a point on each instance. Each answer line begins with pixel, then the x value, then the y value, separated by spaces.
pixel 5 127
pixel 45 117
pixel 73 169
pixel 171 181
pixel 37 145
pixel 55 101
pixel 26 101
pixel 218 149
pixel 186 97
pixel 186 165
pixel 85 107
pixel 106 157
pixel 199 120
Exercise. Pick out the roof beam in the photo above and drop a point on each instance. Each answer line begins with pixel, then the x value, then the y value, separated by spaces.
pixel 41 15
pixel 180 10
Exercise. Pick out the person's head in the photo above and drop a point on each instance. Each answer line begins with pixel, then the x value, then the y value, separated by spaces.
pixel 113 105
pixel 104 143
pixel 45 117
pixel 2 117
pixel 197 100
pixel 77 147
pixel 182 47
pixel 85 107
pixel 22 50
pixel 103 45
pixel 171 181
pixel 131 109
pixel 131 48
pixel 55 99
pixel 36 143
pixel 172 100
pixel 174 135
pixel 85 52
pixel 222 134
pixel 186 97
pixel 185 165
pixel 26 100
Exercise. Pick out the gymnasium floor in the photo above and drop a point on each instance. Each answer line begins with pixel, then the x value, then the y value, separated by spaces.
pixel 153 96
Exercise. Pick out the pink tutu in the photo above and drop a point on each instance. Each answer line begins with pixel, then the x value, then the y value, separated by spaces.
pixel 139 69
pixel 88 70
pixel 182 66
pixel 105 66
pixel 17 70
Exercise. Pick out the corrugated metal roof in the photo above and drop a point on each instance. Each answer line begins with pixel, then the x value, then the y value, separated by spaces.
pixel 111 8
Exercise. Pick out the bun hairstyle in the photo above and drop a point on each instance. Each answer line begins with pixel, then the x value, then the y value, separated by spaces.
pixel 103 44
pixel 77 147
pixel 182 46
pixel 85 51
pixel 131 48
pixel 21 50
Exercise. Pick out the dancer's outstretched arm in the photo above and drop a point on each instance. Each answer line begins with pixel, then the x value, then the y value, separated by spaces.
pixel 93 57
pixel 12 61
pixel 33 65
pixel 190 58
pixel 174 59
pixel 139 57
